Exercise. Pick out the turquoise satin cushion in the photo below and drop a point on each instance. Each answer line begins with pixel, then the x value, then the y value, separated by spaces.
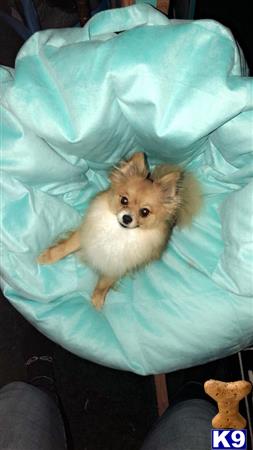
pixel 235 267
pixel 78 101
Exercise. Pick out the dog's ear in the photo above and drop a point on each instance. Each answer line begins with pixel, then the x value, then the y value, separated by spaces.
pixel 136 165
pixel 168 184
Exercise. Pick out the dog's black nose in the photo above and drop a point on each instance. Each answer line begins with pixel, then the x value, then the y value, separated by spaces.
pixel 127 219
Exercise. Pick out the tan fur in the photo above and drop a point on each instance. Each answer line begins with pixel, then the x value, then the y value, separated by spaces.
pixel 61 249
pixel 190 200
pixel 114 247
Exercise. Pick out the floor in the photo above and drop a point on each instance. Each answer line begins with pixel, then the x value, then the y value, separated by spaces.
pixel 105 409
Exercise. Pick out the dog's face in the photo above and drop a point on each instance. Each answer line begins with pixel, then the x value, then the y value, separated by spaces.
pixel 139 201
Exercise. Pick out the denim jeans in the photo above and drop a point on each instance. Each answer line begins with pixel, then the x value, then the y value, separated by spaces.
pixel 29 419
pixel 184 426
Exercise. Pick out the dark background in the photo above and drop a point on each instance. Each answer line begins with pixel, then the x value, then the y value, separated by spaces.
pixel 105 409
pixel 235 15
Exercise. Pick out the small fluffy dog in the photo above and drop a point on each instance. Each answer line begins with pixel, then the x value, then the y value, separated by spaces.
pixel 129 225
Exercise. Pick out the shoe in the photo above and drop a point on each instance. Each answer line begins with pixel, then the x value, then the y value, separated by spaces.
pixel 189 383
pixel 39 361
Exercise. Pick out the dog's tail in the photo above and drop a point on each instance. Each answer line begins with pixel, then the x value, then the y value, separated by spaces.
pixel 191 200
pixel 188 192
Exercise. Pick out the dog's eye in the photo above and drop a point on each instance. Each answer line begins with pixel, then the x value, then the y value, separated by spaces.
pixel 124 200
pixel 144 212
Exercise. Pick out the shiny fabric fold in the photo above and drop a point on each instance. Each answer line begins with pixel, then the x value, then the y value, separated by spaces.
pixel 80 100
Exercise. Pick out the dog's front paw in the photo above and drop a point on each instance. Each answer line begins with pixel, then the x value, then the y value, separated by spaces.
pixel 47 257
pixel 98 299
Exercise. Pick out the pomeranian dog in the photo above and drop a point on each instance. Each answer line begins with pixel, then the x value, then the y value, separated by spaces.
pixel 128 225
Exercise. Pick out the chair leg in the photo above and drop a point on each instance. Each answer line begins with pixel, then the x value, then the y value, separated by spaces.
pixel 161 393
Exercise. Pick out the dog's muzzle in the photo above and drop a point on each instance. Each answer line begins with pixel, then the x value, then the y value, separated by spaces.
pixel 126 220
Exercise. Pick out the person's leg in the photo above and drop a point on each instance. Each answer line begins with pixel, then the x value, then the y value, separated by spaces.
pixel 29 419
pixel 184 426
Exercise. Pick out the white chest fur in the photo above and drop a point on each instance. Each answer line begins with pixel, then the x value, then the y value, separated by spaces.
pixel 111 249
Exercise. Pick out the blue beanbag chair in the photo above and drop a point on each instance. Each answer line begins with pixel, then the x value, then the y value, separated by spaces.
pixel 80 100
